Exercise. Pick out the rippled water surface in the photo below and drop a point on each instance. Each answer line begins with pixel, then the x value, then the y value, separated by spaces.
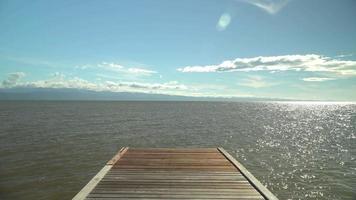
pixel 50 150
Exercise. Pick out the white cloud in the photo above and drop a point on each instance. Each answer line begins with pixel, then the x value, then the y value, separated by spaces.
pixel 117 86
pixel 12 79
pixel 255 82
pixel 270 6
pixel 317 79
pixel 59 81
pixel 344 55
pixel 223 22
pixel 140 71
pixel 115 67
pixel 58 75
pixel 308 63
pixel 111 66
pixel 82 67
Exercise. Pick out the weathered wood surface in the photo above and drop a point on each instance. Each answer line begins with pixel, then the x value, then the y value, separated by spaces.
pixel 207 173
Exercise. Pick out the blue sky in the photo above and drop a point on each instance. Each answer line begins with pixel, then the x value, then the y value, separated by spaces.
pixel 292 49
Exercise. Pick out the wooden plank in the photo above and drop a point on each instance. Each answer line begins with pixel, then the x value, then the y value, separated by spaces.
pixel 256 183
pixel 173 196
pixel 176 198
pixel 174 161
pixel 172 150
pixel 170 177
pixel 165 186
pixel 117 156
pixel 174 156
pixel 99 176
pixel 176 168
pixel 178 190
pixel 190 173
pixel 167 173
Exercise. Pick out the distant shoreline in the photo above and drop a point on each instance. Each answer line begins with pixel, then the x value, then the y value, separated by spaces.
pixel 67 94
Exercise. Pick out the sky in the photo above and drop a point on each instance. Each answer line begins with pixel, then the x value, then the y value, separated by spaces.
pixel 286 49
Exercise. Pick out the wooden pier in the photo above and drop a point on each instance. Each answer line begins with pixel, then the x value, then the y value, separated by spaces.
pixel 206 173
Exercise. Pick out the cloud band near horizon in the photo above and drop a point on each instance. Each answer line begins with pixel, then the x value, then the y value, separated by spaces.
pixel 307 63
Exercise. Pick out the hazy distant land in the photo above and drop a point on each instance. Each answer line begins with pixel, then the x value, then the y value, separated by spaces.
pixel 90 95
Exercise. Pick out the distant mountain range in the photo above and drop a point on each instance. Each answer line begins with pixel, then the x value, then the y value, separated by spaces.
pixel 79 94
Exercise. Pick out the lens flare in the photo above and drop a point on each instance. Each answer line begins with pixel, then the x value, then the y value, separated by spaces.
pixel 223 22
